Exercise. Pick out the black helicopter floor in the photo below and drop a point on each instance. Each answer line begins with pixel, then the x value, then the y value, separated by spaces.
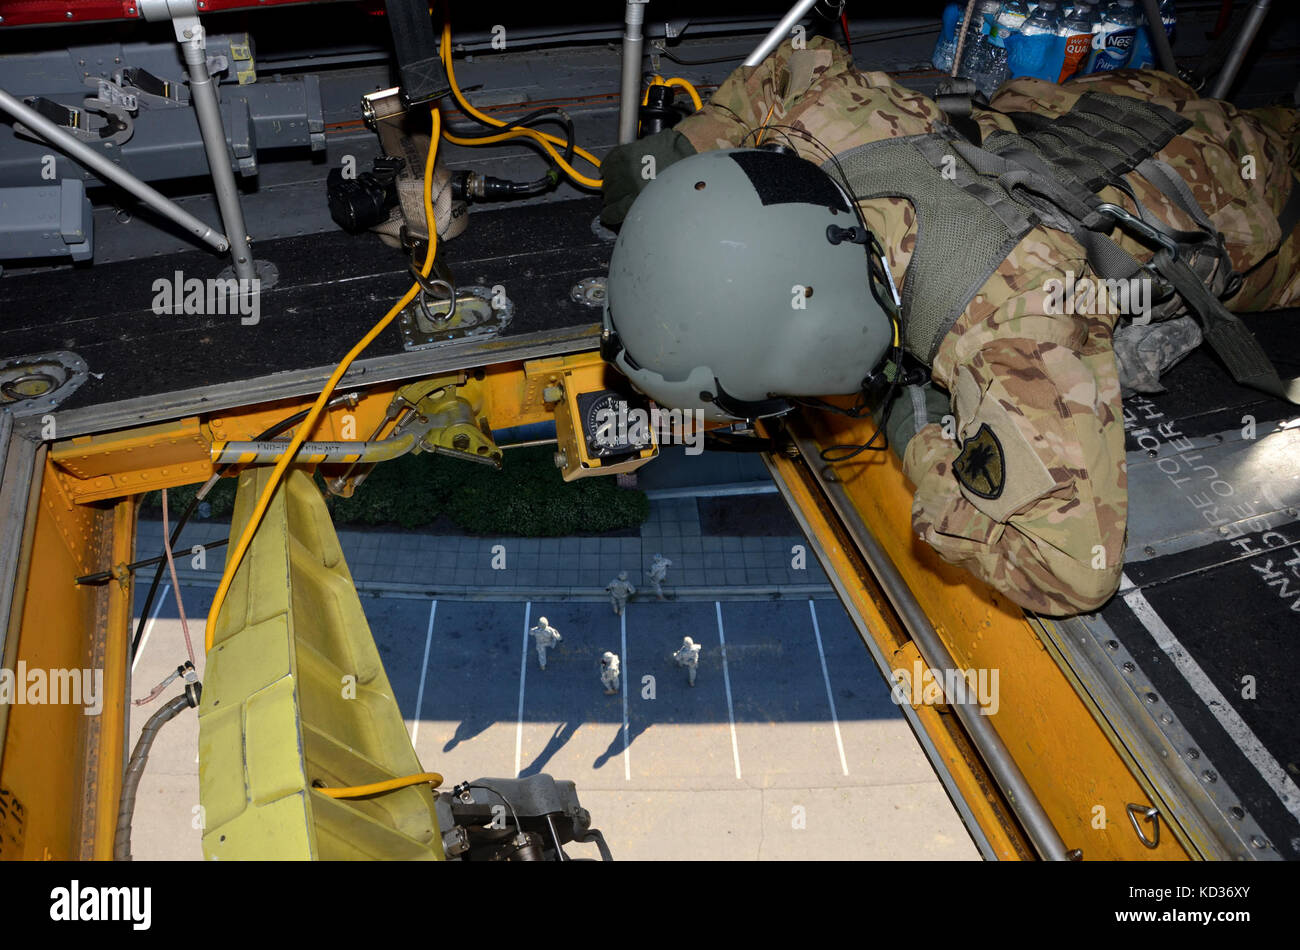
pixel 1210 608
pixel 332 288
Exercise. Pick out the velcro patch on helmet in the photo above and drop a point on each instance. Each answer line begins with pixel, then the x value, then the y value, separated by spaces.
pixel 981 465
pixel 780 180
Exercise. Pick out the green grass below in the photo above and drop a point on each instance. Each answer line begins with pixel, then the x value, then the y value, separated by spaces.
pixel 526 498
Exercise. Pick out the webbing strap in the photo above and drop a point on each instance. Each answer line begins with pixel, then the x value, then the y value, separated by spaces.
pixel 960 217
pixel 1231 339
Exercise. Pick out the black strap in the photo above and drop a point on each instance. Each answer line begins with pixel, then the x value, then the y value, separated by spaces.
pixel 1231 339
pixel 1289 216
pixel 957 99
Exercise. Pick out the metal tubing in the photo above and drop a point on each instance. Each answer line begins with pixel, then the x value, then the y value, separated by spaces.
pixel 253 453
pixel 1249 29
pixel 110 172
pixel 629 99
pixel 203 95
pixel 779 32
pixel 1164 52
pixel 985 738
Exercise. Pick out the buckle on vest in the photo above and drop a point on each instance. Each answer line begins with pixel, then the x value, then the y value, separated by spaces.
pixel 1143 230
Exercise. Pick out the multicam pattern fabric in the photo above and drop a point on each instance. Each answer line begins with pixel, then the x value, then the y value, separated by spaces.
pixel 1043 383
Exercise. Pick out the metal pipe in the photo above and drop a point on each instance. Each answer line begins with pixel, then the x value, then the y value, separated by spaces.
pixel 203 95
pixel 1237 55
pixel 779 32
pixel 629 99
pixel 1164 52
pixel 993 751
pixel 254 453
pixel 109 172
pixel 529 444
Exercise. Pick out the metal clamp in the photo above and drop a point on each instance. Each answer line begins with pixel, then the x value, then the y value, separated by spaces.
pixel 1144 230
pixel 1150 813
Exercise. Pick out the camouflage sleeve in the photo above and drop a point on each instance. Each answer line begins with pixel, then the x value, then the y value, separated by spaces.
pixel 1028 490
pixel 813 99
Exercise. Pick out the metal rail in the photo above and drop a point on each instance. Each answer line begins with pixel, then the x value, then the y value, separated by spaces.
pixel 1038 826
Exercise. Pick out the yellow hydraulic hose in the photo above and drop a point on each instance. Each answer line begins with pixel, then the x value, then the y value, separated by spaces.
pixel 291 450
pixel 545 139
pixel 374 788
pixel 690 91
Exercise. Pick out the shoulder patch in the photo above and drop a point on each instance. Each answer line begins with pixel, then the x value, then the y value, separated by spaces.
pixel 981 465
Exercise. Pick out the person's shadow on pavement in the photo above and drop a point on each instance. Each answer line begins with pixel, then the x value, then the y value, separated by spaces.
pixel 616 746
pixel 467 729
pixel 563 733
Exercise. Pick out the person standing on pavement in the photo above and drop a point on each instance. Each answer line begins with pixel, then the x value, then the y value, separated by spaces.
pixel 688 655
pixel 620 589
pixel 609 673
pixel 659 573
pixel 545 637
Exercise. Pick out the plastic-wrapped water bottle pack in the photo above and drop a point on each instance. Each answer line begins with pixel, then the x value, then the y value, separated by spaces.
pixel 1051 40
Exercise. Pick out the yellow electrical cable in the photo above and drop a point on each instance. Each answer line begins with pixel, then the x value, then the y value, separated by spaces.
pixel 690 91
pixel 374 788
pixel 263 502
pixel 542 138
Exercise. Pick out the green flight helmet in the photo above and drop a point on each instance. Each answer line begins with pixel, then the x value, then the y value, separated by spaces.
pixel 740 277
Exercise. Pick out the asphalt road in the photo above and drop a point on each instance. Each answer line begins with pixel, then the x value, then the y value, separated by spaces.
pixel 772 755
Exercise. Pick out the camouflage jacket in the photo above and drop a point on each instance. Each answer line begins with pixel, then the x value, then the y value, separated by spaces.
pixel 1045 384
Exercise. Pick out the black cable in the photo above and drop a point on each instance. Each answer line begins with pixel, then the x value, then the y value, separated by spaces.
pixel 731 442
pixel 192 507
pixel 552 176
pixel 878 275
pixel 101 577
pixel 489 788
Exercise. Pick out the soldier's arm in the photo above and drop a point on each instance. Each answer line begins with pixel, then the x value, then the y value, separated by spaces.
pixel 1031 494
pixel 748 98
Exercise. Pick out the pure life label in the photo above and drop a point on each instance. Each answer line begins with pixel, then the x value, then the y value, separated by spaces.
pixel 1112 46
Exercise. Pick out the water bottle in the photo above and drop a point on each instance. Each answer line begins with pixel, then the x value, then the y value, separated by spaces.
pixel 976 55
pixel 1112 44
pixel 1144 55
pixel 1078 26
pixel 1009 20
pixel 946 47
pixel 1038 50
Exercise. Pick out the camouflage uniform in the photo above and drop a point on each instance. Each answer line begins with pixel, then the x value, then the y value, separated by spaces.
pixel 688 655
pixel 659 573
pixel 1045 384
pixel 546 637
pixel 620 589
pixel 609 670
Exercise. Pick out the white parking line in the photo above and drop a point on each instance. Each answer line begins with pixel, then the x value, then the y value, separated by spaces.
pixel 1268 767
pixel 424 669
pixel 148 626
pixel 627 756
pixel 726 681
pixel 523 673
pixel 830 697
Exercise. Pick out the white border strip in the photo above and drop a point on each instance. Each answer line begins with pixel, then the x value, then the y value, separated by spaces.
pixel 523 675
pixel 627 756
pixel 830 697
pixel 726 679
pixel 424 670
pixel 1282 784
